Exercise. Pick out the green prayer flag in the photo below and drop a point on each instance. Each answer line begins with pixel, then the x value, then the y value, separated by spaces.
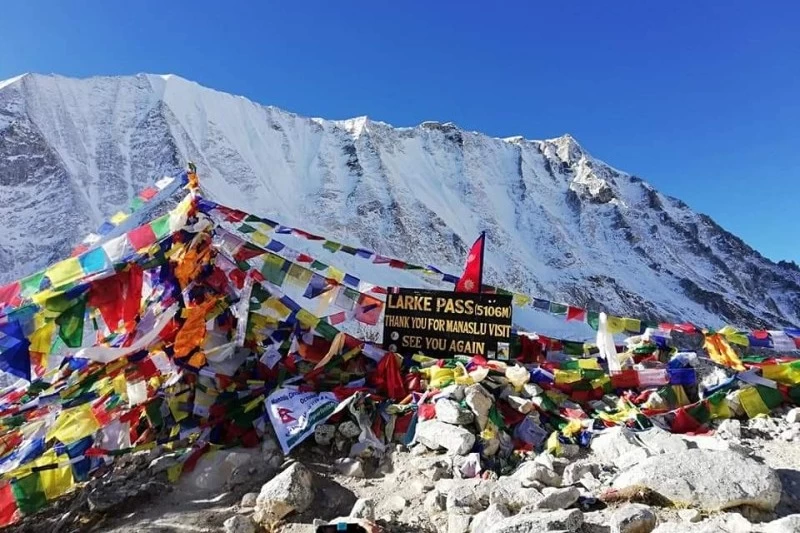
pixel 332 246
pixel 317 265
pixel 326 331
pixel 160 227
pixel 31 284
pixel 70 323
pixel 771 397
pixel 558 309
pixel 247 228
pixel 593 319
pixel 274 269
pixel 29 493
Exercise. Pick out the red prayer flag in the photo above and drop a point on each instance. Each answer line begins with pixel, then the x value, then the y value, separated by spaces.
pixel 472 279
pixel 576 313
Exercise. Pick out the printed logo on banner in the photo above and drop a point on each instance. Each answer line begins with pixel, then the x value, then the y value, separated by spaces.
pixel 442 323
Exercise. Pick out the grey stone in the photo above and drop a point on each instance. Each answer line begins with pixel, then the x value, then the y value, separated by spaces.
pixel 730 428
pixel 709 480
pixel 468 496
pixel 690 515
pixel 793 416
pixel 510 493
pixel 347 466
pixel 618 446
pixel 535 471
pixel 485 519
pixel 291 490
pixel 480 401
pixel 239 524
pixel 363 508
pixel 569 520
pixel 523 405
pixel 596 522
pixel 657 441
pixel 436 434
pixel 396 503
pixel 451 412
pixel 324 433
pixel 722 523
pixel 789 434
pixel 558 498
pixel 249 500
pixel 435 502
pixel 570 451
pixel 633 518
pixel 574 472
pixel 349 429
pixel 458 523
pixel 787 524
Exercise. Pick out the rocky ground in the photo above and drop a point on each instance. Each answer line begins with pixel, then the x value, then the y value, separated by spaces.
pixel 745 477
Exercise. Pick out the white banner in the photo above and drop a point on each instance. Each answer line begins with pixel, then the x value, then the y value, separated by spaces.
pixel 294 414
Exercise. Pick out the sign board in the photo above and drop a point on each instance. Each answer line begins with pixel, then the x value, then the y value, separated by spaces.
pixel 442 323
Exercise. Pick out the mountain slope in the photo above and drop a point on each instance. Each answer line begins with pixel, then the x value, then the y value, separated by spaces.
pixel 560 223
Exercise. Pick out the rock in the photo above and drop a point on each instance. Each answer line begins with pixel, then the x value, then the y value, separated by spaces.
pixel 709 480
pixel 324 433
pixel 458 523
pixel 764 424
pixel 435 502
pixel 436 434
pixel 396 503
pixel 239 524
pixel 490 447
pixel 618 446
pixel 363 508
pixel 596 522
pixel 350 467
pixel 787 524
pixel 468 497
pixel 657 441
pixel 558 498
pixel 480 402
pixel 793 416
pixel 722 523
pixel 534 471
pixel 213 471
pixel 349 429
pixel 421 486
pixel 523 405
pixel 690 515
pixel 730 428
pixel 569 520
pixel 574 472
pixel 485 519
pixel 789 435
pixel 451 412
pixel 510 493
pixel 291 490
pixel 249 500
pixel 633 518
pixel 570 451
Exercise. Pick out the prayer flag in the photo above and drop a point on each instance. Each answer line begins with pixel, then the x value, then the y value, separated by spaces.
pixel 472 278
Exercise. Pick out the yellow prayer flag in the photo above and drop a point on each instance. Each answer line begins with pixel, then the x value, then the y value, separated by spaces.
pixel 65 271
pixel 589 364
pixel 734 336
pixel 299 276
pixel 55 481
pixel 277 306
pixel 616 324
pixel 520 300
pixel 118 218
pixel 721 352
pixel 752 403
pixel 42 338
pixel 785 373
pixel 259 238
pixel 335 273
pixel 567 376
pixel 307 320
pixel 74 424
pixel 633 325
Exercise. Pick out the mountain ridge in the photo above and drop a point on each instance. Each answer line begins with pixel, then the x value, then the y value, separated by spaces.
pixel 561 223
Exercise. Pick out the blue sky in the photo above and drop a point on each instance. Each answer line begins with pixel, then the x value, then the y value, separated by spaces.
pixel 702 99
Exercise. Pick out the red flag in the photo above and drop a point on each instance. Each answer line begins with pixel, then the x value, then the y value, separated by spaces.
pixel 472 279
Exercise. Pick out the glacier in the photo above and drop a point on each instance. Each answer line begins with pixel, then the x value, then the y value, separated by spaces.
pixel 560 224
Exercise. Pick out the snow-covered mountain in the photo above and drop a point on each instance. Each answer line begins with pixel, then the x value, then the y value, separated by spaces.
pixel 560 223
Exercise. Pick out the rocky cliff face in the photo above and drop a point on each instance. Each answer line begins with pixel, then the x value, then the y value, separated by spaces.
pixel 560 223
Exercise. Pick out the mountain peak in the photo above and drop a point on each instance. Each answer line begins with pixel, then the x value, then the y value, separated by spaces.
pixel 10 81
pixel 562 225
